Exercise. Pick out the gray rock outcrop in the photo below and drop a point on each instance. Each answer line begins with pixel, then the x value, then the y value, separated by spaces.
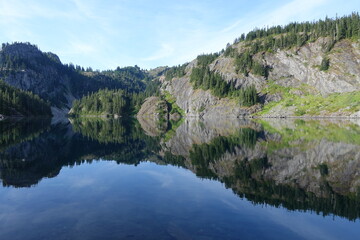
pixel 297 67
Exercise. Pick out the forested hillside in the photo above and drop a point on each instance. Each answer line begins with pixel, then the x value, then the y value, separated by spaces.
pixel 15 102
pixel 113 102
pixel 24 66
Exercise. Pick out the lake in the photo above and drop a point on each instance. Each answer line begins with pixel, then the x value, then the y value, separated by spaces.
pixel 220 179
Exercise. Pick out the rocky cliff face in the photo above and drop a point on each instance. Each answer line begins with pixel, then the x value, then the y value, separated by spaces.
pixel 27 68
pixel 296 69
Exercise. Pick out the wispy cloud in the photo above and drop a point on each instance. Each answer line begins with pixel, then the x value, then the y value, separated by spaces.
pixel 82 48
pixel 166 50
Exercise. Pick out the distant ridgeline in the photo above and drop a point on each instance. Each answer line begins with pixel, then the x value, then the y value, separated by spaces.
pixel 25 67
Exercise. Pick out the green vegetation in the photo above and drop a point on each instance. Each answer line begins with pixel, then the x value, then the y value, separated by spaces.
pixel 291 35
pixel 110 102
pixel 172 106
pixel 245 64
pixel 297 34
pixel 325 64
pixel 202 77
pixel 309 103
pixel 129 79
pixel 103 102
pixel 15 102
pixel 176 71
pixel 57 78
pixel 204 60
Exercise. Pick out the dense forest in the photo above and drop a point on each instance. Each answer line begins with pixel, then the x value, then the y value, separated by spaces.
pixel 296 34
pixel 103 102
pixel 113 102
pixel 15 102
pixel 176 71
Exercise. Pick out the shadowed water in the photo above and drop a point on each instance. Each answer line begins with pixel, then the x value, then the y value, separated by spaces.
pixel 110 179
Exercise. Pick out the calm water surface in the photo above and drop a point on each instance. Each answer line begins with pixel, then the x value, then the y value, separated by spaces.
pixel 95 179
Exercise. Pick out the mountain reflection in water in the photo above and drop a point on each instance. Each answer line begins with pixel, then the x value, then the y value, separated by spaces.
pixel 297 164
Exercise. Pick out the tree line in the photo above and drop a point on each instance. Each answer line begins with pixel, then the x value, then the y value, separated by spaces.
pixel 18 102
pixel 175 71
pixel 116 101
pixel 298 33
pixel 18 57
pixel 291 35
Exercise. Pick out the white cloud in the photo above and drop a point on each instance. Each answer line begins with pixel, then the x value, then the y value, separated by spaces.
pixel 166 50
pixel 82 48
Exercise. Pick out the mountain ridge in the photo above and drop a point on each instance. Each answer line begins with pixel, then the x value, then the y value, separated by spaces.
pixel 297 70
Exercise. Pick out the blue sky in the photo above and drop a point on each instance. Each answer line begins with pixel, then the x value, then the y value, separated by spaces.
pixel 109 33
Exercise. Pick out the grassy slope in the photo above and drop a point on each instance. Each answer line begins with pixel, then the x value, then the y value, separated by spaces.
pixel 310 104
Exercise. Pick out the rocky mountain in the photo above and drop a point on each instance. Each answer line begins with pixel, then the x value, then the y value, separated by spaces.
pixel 302 69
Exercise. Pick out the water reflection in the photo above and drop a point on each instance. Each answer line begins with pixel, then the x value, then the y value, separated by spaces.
pixel 297 164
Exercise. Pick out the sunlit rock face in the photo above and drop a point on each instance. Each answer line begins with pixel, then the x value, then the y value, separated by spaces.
pixel 295 68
